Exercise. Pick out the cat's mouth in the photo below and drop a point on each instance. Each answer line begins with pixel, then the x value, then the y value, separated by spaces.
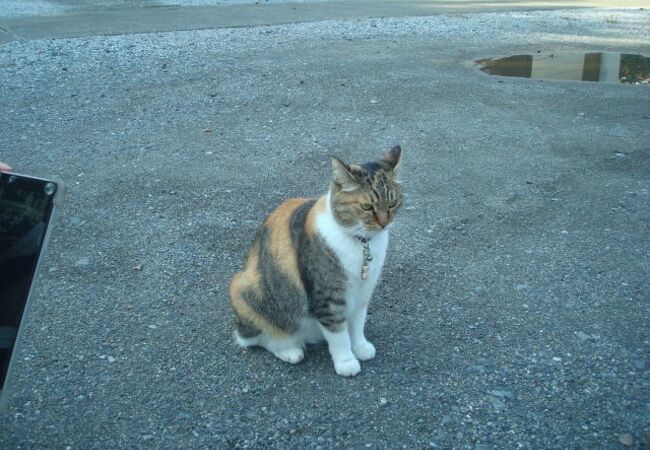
pixel 374 228
pixel 378 226
pixel 368 230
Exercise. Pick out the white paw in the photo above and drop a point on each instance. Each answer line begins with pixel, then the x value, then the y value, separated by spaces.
pixel 347 368
pixel 364 351
pixel 291 355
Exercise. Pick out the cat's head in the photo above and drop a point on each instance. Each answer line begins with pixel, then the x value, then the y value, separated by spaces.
pixel 366 196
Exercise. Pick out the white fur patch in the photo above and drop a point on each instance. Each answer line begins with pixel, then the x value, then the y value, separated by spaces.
pixel 349 251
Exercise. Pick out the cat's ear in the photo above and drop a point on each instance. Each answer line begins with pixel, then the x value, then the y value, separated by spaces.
pixel 343 176
pixel 393 157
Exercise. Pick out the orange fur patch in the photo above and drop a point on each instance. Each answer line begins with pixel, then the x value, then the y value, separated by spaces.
pixel 319 208
pixel 279 242
pixel 251 277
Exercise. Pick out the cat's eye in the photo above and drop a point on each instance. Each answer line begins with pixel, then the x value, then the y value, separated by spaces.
pixel 366 206
pixel 393 204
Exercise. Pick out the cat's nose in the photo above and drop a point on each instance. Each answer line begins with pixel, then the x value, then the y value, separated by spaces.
pixel 382 221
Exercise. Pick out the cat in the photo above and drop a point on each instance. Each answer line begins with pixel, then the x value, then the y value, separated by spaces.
pixel 314 263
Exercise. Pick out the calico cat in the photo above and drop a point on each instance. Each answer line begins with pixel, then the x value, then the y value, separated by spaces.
pixel 314 264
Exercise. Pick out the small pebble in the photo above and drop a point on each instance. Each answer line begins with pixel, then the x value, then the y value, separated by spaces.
pixel 500 393
pixel 82 262
pixel 626 439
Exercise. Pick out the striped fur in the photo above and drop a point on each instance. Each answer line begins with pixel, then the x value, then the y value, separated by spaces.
pixel 302 279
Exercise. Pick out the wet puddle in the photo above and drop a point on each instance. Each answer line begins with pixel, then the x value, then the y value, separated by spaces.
pixel 607 67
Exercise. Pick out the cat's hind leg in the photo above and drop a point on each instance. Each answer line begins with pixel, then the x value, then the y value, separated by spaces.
pixel 247 335
pixel 246 342
pixel 287 349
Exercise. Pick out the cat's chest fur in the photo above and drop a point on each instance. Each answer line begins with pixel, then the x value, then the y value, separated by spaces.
pixel 349 251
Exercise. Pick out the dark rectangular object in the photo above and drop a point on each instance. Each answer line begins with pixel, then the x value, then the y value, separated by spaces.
pixel 27 205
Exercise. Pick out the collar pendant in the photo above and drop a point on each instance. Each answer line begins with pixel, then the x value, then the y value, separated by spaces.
pixel 367 257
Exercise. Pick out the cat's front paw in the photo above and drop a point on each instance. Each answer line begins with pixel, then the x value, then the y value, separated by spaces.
pixel 347 368
pixel 364 351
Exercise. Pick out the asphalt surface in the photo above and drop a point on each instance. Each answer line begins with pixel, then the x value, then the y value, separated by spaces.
pixel 513 310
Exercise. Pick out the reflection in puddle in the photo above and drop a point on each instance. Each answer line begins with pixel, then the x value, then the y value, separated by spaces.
pixel 602 66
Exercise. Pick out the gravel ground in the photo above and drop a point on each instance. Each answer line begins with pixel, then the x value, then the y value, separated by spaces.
pixel 513 311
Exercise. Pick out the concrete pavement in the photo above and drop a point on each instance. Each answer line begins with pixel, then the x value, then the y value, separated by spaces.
pixel 88 21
